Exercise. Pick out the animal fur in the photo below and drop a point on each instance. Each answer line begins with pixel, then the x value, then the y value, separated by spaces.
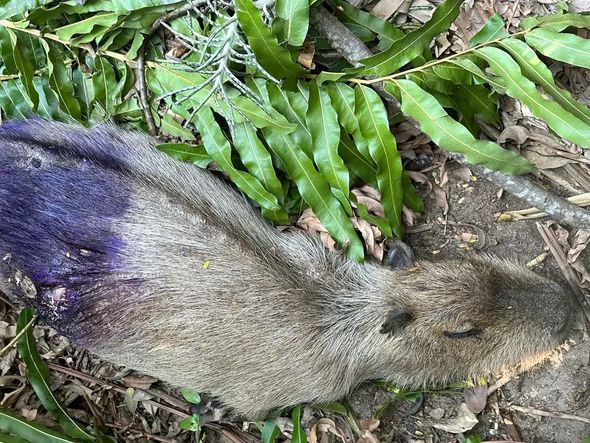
pixel 163 267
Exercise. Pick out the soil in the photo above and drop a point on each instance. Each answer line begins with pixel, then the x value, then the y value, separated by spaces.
pixel 554 388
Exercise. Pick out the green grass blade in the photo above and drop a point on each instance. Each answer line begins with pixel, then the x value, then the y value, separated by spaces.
pixel 534 69
pixel 451 135
pixel 568 48
pixel 219 149
pixel 374 126
pixel 38 375
pixel 519 87
pixel 299 435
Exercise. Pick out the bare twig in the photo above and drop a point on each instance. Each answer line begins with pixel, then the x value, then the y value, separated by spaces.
pixel 561 415
pixel 89 378
pixel 349 46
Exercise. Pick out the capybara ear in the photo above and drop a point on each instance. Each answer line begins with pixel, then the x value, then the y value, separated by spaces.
pixel 399 256
pixel 396 320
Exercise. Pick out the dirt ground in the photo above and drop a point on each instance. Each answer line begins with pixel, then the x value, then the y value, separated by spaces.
pixel 552 388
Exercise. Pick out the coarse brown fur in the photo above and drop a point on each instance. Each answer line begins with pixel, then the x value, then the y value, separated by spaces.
pixel 200 291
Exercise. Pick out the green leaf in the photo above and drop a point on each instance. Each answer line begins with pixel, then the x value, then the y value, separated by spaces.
pixel 315 191
pixel 411 198
pixel 30 431
pixel 5 438
pixel 104 84
pixel 101 20
pixel 219 149
pixel 14 102
pixel 556 22
pixel 380 222
pixel 294 108
pixel 568 48
pixel 355 161
pixel 273 57
pixel 482 102
pixel 295 15
pixel 171 127
pixel 534 69
pixel 192 423
pixel 60 81
pixel 492 30
pixel 191 396
pixel 450 135
pixel 18 56
pixel 413 44
pixel 12 8
pixel 374 126
pixel 388 33
pixel 256 158
pixel 269 431
pixel 48 106
pixel 322 122
pixel 517 86
pixel 187 153
pixel 299 435
pixel 38 375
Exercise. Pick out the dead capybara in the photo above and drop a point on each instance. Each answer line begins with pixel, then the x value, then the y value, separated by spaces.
pixel 163 267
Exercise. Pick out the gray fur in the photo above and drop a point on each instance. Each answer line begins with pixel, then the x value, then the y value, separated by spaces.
pixel 274 320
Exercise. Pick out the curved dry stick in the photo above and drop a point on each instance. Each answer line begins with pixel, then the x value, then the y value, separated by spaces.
pixel 353 50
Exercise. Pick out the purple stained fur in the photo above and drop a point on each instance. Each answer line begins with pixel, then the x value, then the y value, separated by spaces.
pixel 57 221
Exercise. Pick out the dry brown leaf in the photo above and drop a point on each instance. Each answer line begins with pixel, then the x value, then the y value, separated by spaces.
pixel 367 437
pixel 369 424
pixel 440 198
pixel 321 431
pixel 139 381
pixel 306 55
pixel 463 422
pixel 386 8
pixel 579 245
pixel 517 133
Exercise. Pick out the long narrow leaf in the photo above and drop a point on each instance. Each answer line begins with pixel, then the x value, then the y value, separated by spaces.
pixel 256 158
pixel 273 57
pixel 30 431
pixel 322 122
pixel 374 126
pixel 197 155
pixel 534 69
pixel 568 48
pixel 450 135
pixel 559 120
pixel 413 44
pixel 219 149
pixel 316 192
pixel 38 374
